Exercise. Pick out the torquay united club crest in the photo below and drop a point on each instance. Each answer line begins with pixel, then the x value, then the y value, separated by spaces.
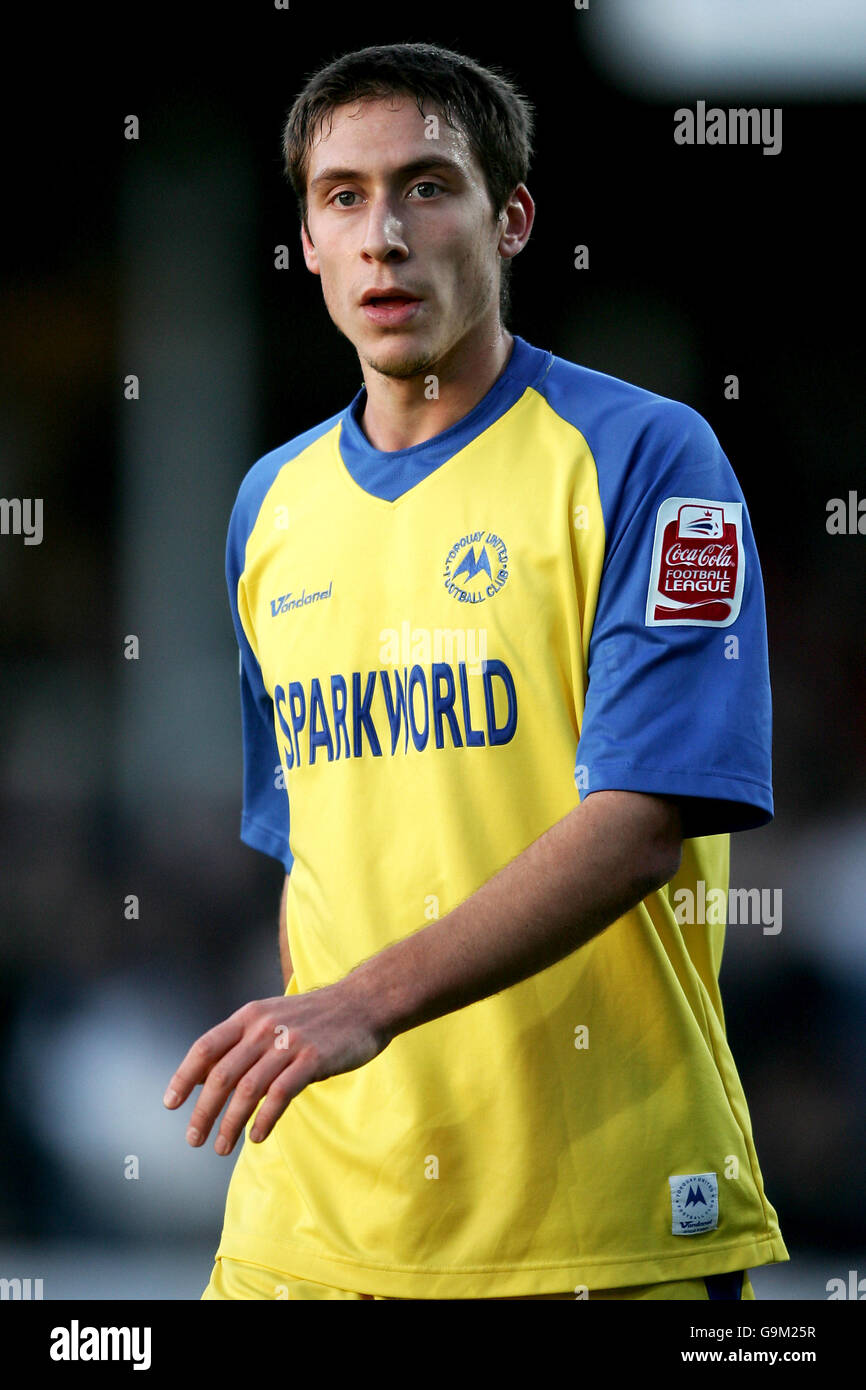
pixel 694 1203
pixel 476 567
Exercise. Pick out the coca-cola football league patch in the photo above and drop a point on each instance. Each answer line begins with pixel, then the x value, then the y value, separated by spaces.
pixel 698 565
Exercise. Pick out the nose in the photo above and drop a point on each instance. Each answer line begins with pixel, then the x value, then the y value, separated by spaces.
pixel 384 234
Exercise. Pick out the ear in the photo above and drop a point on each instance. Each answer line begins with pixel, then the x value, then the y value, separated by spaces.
pixel 516 222
pixel 310 254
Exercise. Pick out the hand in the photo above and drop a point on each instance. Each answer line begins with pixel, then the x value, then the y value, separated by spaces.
pixel 273 1048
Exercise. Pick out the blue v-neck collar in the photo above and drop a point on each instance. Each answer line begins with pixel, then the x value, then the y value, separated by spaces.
pixel 390 473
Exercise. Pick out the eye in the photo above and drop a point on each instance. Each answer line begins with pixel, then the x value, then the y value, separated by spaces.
pixel 425 183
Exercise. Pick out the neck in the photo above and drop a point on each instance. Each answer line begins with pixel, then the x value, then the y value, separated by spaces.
pixel 402 411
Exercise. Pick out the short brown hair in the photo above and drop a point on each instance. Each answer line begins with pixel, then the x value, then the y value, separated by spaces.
pixel 483 102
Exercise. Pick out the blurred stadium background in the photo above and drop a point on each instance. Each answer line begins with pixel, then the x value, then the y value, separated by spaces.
pixel 156 257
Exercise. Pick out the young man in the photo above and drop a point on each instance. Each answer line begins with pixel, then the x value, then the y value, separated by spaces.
pixel 500 1068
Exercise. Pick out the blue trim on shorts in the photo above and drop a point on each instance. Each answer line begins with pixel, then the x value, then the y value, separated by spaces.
pixel 724 1285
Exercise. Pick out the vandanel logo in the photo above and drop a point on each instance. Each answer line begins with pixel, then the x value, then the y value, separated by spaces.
pixel 476 567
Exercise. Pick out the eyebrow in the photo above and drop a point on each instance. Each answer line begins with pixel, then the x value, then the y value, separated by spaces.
pixel 415 166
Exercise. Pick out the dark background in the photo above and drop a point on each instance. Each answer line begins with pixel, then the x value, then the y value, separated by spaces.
pixel 117 777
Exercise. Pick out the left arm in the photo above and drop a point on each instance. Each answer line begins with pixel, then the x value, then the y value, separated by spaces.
pixel 581 875
pixel 589 869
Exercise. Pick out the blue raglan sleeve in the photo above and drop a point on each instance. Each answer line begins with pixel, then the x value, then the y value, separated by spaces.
pixel 265 813
pixel 678 699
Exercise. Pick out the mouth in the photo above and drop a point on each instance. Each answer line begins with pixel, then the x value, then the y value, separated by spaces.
pixel 390 308
pixel 378 298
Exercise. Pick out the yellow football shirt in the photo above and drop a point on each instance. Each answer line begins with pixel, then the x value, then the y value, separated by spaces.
pixel 442 650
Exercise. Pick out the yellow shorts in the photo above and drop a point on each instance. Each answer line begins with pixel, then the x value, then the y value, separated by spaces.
pixel 234 1279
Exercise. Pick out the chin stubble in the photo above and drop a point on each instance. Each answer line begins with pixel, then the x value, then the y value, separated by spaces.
pixel 415 366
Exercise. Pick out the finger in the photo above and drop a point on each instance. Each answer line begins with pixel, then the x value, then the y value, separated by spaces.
pixel 201 1057
pixel 281 1092
pixel 247 1093
pixel 227 1073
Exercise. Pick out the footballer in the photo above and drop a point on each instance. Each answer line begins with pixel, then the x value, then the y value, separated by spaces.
pixel 491 732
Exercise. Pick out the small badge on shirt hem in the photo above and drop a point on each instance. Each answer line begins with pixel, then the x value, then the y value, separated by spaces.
pixel 694 1203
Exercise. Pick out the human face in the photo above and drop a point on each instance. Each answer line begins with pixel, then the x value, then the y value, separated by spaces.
pixel 390 208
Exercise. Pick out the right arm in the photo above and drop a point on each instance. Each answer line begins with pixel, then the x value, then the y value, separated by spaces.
pixel 285 958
